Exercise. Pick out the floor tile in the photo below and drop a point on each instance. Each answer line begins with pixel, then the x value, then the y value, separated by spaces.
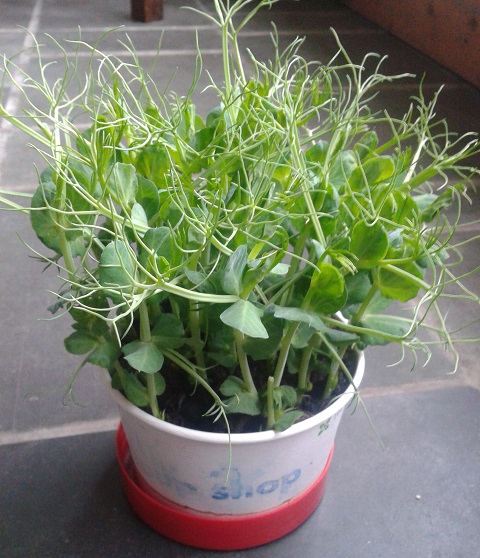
pixel 413 496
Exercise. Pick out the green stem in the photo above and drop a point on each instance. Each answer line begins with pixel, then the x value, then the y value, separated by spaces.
pixel 152 396
pixel 270 403
pixel 299 248
pixel 337 362
pixel 226 69
pixel 194 295
pixel 366 330
pixel 299 162
pixel 283 353
pixel 67 255
pixel 11 205
pixel 304 369
pixel 332 379
pixel 121 372
pixel 365 304
pixel 146 337
pixel 243 362
pixel 145 333
pixel 196 335
pixel 61 230
pixel 29 130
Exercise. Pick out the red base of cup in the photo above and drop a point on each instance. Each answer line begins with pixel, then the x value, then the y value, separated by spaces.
pixel 210 531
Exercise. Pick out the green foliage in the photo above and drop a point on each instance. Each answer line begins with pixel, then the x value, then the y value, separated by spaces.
pixel 143 356
pixel 369 244
pixel 265 237
pixel 245 317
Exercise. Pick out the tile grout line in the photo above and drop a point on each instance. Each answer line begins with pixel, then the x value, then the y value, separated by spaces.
pixel 414 387
pixel 13 97
pixel 56 432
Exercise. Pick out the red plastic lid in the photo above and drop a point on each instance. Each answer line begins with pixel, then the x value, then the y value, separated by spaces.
pixel 208 531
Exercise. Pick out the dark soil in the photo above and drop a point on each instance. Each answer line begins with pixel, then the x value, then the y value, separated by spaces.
pixel 186 405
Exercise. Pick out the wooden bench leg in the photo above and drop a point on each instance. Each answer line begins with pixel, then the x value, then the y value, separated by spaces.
pixel 146 10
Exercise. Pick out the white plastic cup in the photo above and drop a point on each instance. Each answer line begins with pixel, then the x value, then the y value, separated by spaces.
pixel 237 474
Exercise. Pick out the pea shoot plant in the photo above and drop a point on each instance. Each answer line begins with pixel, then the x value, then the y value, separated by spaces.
pixel 256 244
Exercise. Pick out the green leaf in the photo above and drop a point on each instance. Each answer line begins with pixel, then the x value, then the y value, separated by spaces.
pixel 139 217
pixel 147 196
pixel 196 237
pixel 135 391
pixel 378 303
pixel 293 314
pixel 202 139
pixel 280 269
pixel 195 277
pixel 160 241
pixel 378 169
pixel 116 269
pixel 116 382
pixel 263 349
pixel 260 267
pixel 340 336
pixel 144 357
pixel 369 243
pixel 83 179
pixel 283 175
pixel 153 163
pixel 245 317
pixel 160 384
pixel 106 352
pixel 286 396
pixel 231 386
pixel 88 321
pixel 302 335
pixel 233 273
pixel 366 144
pixel 79 343
pixel 400 208
pixel 289 418
pixel 318 152
pixel 214 117
pixel 358 286
pixel 401 286
pixel 326 294
pixel 391 325
pixel 45 221
pixel 373 171
pixel 168 332
pixel 430 205
pixel 245 403
pixel 225 358
pixel 104 349
pixel 221 344
pixel 122 183
pixel 329 211
pixel 342 168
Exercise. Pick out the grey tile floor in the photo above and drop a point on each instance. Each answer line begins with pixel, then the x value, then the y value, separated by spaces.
pixel 60 496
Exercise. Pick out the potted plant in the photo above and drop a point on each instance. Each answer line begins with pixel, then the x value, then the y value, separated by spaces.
pixel 227 271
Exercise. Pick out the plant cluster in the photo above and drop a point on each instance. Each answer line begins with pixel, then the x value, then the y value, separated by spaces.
pixel 264 240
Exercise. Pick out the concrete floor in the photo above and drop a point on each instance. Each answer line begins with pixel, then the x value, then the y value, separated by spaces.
pixel 415 494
